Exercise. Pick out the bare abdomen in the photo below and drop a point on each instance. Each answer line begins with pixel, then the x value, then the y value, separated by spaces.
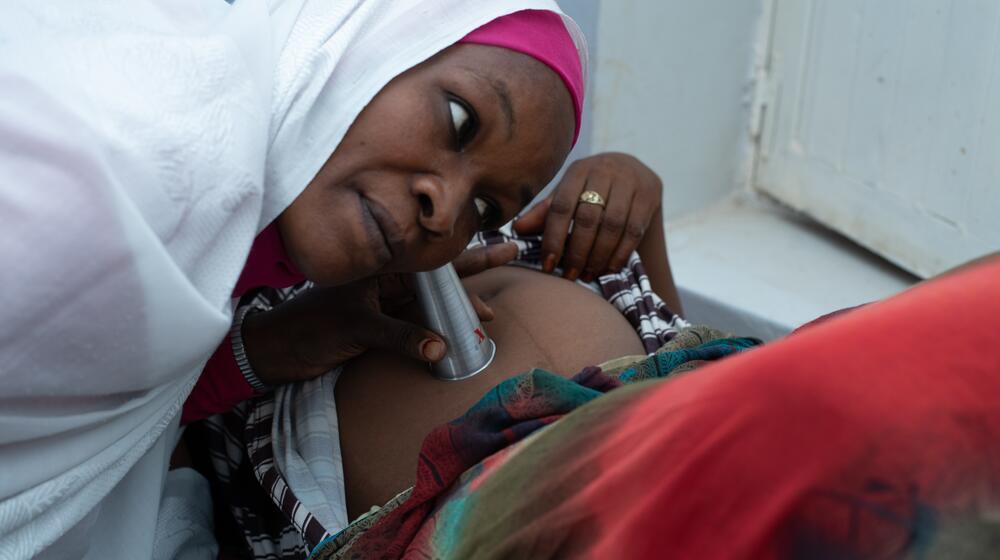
pixel 387 404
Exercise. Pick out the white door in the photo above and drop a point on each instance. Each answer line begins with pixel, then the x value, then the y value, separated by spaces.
pixel 882 120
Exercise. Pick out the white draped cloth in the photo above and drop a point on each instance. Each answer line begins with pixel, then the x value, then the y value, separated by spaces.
pixel 143 144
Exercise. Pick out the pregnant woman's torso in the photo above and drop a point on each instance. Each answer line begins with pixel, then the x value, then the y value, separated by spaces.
pixel 387 404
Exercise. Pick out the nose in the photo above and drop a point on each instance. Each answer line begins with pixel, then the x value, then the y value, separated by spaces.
pixel 441 202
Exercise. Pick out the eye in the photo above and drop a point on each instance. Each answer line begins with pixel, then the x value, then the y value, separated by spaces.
pixel 488 213
pixel 464 122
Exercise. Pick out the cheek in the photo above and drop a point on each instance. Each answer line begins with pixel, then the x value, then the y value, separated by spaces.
pixel 401 116
pixel 321 243
pixel 432 254
pixel 301 235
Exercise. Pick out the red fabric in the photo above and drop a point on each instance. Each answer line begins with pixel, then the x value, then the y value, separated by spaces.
pixel 874 434
pixel 542 35
pixel 824 318
pixel 863 437
pixel 222 385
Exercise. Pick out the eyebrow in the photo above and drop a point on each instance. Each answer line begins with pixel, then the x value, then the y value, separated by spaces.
pixel 502 93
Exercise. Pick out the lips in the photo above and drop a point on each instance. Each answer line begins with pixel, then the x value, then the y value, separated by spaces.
pixel 384 233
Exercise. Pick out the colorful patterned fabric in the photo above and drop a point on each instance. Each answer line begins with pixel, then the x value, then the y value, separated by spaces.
pixel 873 435
pixel 471 449
pixel 269 521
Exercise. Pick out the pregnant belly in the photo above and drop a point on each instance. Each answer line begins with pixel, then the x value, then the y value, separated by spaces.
pixel 387 404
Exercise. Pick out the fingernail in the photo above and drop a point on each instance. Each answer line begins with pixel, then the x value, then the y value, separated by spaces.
pixel 432 350
pixel 549 264
pixel 572 274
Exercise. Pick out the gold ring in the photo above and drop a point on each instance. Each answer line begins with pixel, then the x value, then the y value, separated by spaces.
pixel 591 197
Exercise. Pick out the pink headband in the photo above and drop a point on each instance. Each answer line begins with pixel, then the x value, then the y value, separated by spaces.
pixel 540 34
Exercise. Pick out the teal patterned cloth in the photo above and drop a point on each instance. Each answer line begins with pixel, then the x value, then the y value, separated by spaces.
pixel 458 457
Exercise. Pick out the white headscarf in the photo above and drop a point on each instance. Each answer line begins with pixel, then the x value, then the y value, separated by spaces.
pixel 143 144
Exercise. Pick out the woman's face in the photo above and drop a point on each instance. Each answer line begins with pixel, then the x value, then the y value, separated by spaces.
pixel 455 145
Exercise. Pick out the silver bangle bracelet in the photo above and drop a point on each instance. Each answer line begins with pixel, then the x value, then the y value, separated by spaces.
pixel 240 351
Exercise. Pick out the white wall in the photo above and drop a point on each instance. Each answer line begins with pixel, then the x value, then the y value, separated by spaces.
pixel 672 85
pixel 887 128
pixel 585 13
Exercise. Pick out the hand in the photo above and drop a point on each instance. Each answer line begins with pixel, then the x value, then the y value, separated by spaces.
pixel 476 260
pixel 397 290
pixel 602 238
pixel 324 327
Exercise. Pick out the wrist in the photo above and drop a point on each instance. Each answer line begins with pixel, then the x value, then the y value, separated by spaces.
pixel 258 345
pixel 275 349
pixel 238 345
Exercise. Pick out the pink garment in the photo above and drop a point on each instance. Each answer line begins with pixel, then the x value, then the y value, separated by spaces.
pixel 542 35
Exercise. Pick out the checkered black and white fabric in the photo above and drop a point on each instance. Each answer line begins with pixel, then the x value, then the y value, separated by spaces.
pixel 272 520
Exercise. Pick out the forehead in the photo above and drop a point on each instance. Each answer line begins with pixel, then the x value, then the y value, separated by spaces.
pixel 526 93
pixel 521 101
pixel 522 79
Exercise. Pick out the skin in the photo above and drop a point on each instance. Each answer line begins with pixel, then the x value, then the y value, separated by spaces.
pixel 459 143
pixel 603 238
pixel 387 404
pixel 653 252
pixel 397 195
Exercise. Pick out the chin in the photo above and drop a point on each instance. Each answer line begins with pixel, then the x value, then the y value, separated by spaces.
pixel 409 267
pixel 335 271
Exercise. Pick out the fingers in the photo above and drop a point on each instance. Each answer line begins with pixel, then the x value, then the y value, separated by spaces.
pixel 644 207
pixel 635 229
pixel 586 224
pixel 602 239
pixel 560 212
pixel 612 228
pixel 478 259
pixel 533 221
pixel 395 335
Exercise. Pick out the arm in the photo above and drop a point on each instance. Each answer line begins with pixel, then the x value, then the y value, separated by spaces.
pixel 305 331
pixel 653 252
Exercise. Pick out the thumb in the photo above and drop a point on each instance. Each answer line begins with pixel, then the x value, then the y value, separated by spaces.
pixel 402 337
pixel 533 221
pixel 475 260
